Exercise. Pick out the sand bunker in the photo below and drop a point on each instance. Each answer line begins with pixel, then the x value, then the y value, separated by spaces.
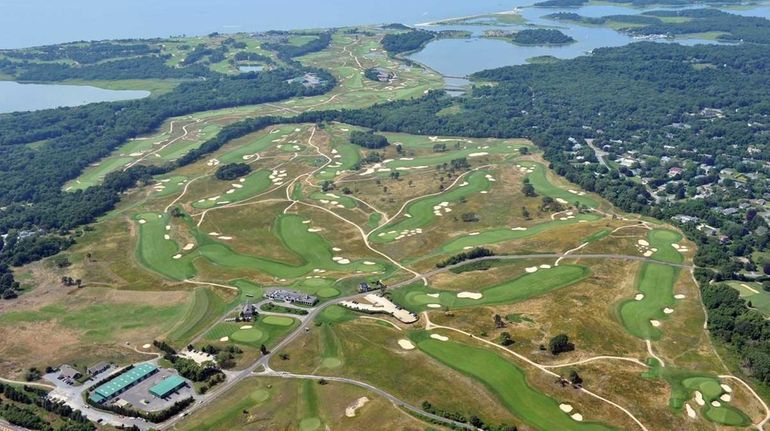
pixel 561 201
pixel 478 154
pixel 668 310
pixel 577 417
pixel 726 398
pixel 531 269
pixel 350 411
pixel 366 262
pixel 679 296
pixel 314 229
pixel 177 256
pixel 188 247
pixel 246 327
pixel 639 296
pixel 223 339
pixel 690 411
pixel 566 408
pixel 406 344
pixel 716 404
pixel 726 388
pixel 146 346
pixel 142 221
pixel 643 243
pixel 225 238
pixel 545 266
pixel 699 398
pixel 519 228
pixel 655 323
pixel 433 295
pixel 470 295
pixel 439 337
pixel 434 305
pixel 166 237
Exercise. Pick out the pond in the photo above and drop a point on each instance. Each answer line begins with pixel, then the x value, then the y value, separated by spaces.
pixel 31 97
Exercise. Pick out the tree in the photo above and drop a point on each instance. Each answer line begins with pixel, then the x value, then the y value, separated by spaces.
pixel 505 339
pixel 575 378
pixel 525 213
pixel 263 349
pixel 560 344
pixel 528 189
pixel 232 171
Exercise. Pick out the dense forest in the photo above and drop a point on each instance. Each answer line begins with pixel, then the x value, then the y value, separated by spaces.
pixel 540 36
pixel 287 51
pixel 413 40
pixel 368 140
pixel 129 68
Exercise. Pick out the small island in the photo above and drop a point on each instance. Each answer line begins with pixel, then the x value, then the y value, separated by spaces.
pixel 532 37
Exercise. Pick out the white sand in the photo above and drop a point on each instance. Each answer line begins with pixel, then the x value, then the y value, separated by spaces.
pixel 639 296
pixel 314 229
pixel 518 228
pixel 350 411
pixel 166 237
pixel 336 249
pixel 531 269
pixel 142 221
pixel 726 388
pixel 690 411
pixel 566 408
pixel 177 256
pixel 434 305
pixel 478 154
pixel 577 417
pixel 648 253
pixel 246 327
pixel 473 233
pixel 146 346
pixel 679 296
pixel 366 262
pixel 406 344
pixel 188 247
pixel 668 310
pixel 470 295
pixel 655 323
pixel 433 295
pixel 439 337
pixel 716 404
pixel 223 339
pixel 545 266
pixel 561 201
pixel 343 261
pixel 225 238
pixel 643 243
pixel 726 398
pixel 699 398
pixel 214 233
pixel 675 246
pixel 168 227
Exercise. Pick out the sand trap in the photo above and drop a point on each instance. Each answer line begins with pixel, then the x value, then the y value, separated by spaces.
pixel 561 201
pixel 336 249
pixel 433 295
pixel 726 388
pixel 225 238
pixel 350 411
pixel 406 344
pixel 566 408
pixel 439 337
pixel 716 404
pixel 473 233
pixel 168 227
pixel 146 346
pixel 142 221
pixel 648 253
pixel 434 305
pixel 577 417
pixel 519 228
pixel 655 323
pixel 188 247
pixel 223 339
pixel 679 296
pixel 246 327
pixel 367 262
pixel 643 243
pixel 177 256
pixel 699 398
pixel 726 398
pixel 314 229
pixel 668 310
pixel 639 296
pixel 690 411
pixel 545 266
pixel 470 295
pixel 478 154
pixel 343 261
pixel 531 269
pixel 166 237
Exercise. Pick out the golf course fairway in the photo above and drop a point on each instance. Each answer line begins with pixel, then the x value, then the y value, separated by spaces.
pixel 656 283
pixel 505 380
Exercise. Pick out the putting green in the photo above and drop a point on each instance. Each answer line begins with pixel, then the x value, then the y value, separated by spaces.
pixel 417 297
pixel 543 186
pixel 310 424
pixel 499 235
pixel 662 240
pixel 252 185
pixel 505 380
pixel 278 321
pixel 727 415
pixel 327 292
pixel 156 252
pixel 248 336
pixel 656 283
pixel 331 363
pixel 421 212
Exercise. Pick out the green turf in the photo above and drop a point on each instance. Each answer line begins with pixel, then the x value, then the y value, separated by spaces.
pixel 662 240
pixel 527 286
pixel 261 143
pixel 759 301
pixel 421 210
pixel 327 292
pixel 543 186
pixel 257 182
pixel 205 307
pixel 493 236
pixel 341 199
pixel 507 381
pixel 277 320
pixel 248 336
pixel 266 330
pixel 336 314
pixel 157 253
pixel 598 235
pixel 656 282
